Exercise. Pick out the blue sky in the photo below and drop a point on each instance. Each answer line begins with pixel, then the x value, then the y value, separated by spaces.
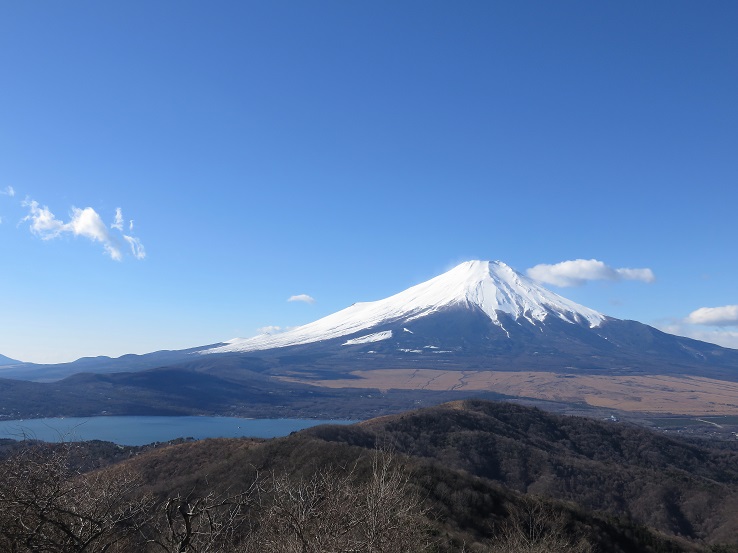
pixel 347 150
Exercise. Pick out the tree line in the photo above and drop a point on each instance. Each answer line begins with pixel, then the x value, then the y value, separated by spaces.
pixel 47 505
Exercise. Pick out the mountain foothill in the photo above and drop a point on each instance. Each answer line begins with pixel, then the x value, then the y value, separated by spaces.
pixel 465 476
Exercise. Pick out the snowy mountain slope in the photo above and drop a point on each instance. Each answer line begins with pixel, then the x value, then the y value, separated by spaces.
pixel 492 287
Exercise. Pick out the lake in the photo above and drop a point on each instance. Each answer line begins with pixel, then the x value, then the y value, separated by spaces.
pixel 145 430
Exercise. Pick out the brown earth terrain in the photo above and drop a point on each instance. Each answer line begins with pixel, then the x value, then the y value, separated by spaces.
pixel 672 394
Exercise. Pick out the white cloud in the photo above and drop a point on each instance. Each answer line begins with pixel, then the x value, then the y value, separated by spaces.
pixel 644 275
pixel 726 315
pixel 721 337
pixel 118 223
pixel 43 221
pixel 84 222
pixel 579 271
pixel 301 297
pixel 8 191
pixel 271 329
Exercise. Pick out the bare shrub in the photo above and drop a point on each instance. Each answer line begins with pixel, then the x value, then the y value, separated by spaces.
pixel 208 523
pixel 534 527
pixel 334 511
pixel 46 506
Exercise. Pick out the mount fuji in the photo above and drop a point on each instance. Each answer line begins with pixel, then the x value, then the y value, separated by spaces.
pixel 480 328
pixel 488 289
pixel 481 314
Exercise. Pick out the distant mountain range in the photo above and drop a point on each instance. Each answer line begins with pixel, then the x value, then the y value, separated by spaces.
pixel 8 361
pixel 456 332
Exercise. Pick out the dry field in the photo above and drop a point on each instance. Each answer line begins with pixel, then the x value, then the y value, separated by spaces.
pixel 685 395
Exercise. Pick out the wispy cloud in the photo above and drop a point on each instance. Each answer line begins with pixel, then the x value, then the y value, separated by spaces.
pixel 578 271
pixel 118 222
pixel 43 222
pixel 83 222
pixel 137 248
pixel 726 315
pixel 302 297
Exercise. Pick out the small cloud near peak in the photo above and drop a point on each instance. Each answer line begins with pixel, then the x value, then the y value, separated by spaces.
pixel 302 297
pixel 726 337
pixel 8 191
pixel 578 271
pixel 726 315
pixel 270 329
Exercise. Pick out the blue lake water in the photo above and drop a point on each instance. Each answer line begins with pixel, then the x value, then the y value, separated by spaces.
pixel 145 430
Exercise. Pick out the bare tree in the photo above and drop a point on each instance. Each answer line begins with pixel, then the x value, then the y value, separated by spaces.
pixel 389 511
pixel 200 524
pixel 333 511
pixel 305 515
pixel 534 527
pixel 45 506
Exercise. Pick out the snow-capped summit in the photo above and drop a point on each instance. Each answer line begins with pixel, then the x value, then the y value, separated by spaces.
pixel 494 286
pixel 490 287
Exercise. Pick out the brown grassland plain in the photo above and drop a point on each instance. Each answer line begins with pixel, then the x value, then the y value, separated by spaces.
pixel 672 394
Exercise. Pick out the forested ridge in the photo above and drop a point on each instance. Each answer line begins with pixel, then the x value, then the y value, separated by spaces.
pixel 472 476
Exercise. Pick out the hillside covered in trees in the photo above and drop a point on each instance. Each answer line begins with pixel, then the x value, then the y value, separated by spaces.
pixel 471 476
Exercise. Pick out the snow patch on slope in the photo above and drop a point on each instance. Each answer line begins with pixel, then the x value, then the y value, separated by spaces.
pixel 369 338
